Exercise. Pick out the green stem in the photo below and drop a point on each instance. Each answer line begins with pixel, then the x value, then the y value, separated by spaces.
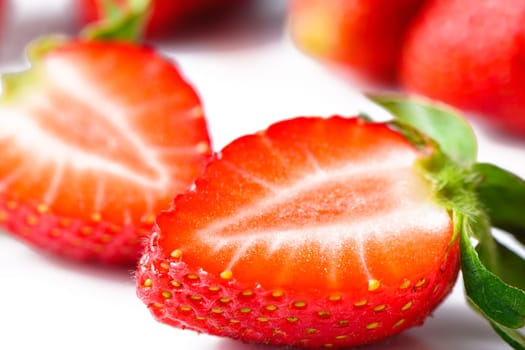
pixel 126 23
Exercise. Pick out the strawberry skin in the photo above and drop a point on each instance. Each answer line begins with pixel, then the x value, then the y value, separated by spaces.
pixel 314 233
pixel 363 34
pixel 96 138
pixel 470 54
pixel 166 16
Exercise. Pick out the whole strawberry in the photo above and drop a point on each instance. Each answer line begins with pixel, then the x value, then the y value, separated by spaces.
pixel 167 16
pixel 365 35
pixel 96 137
pixel 329 232
pixel 469 53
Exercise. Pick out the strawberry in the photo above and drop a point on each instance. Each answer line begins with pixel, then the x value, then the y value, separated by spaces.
pixel 365 35
pixel 96 138
pixel 315 232
pixel 166 15
pixel 470 54
pixel 335 232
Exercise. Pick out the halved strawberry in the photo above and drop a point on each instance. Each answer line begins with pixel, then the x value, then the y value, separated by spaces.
pixel 316 232
pixel 96 138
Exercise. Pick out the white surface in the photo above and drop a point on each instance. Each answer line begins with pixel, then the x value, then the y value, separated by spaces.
pixel 247 79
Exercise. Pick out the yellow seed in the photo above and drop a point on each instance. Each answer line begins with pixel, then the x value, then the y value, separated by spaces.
pixel 185 308
pixel 106 238
pixel 96 217
pixel 226 274
pixel 361 303
pixel 176 284
pixel 31 220
pixel 64 222
pixel 262 319
pixel 372 325
pixel 299 304
pixel 202 147
pixel 42 208
pixel 214 289
pixel 311 330
pixel 166 294
pixel 55 232
pixel 217 311
pixel 234 321
pixel 164 265
pixel 405 284
pixel 334 297
pixel 420 282
pixel 323 313
pixel 245 310
pixel 435 290
pixel 200 318
pixel 399 323
pixel 379 308
pixel 247 293
pixel 406 306
pixel 196 297
pixel 271 307
pixel 147 283
pixel 373 285
pixel 343 323
pixel 176 254
pixel 149 219
pixel 155 305
pixel 86 230
pixel 277 293
pixel 192 277
pixel 225 300
pixel 292 319
pixel 341 337
pixel 196 112
pixel 278 332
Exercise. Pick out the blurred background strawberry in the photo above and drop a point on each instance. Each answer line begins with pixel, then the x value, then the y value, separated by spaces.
pixel 365 35
pixel 470 53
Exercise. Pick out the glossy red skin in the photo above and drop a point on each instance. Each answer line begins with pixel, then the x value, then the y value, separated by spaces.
pixel 365 35
pixel 262 302
pixel 73 224
pixel 167 15
pixel 471 54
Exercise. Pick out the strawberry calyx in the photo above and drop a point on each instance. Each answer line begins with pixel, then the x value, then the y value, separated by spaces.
pixel 479 197
pixel 126 23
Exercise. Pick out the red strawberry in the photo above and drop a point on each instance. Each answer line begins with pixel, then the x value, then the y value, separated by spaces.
pixel 470 54
pixel 316 232
pixel 363 34
pixel 166 15
pixel 96 138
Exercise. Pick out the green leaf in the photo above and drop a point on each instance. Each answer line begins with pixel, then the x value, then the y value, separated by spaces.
pixel 503 196
pixel 120 23
pixel 499 302
pixel 511 265
pixel 440 122
pixel 511 336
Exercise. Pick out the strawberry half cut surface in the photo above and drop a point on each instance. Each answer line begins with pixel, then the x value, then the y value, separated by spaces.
pixel 315 232
pixel 96 138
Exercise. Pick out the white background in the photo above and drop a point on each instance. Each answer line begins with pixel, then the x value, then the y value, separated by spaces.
pixel 248 75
